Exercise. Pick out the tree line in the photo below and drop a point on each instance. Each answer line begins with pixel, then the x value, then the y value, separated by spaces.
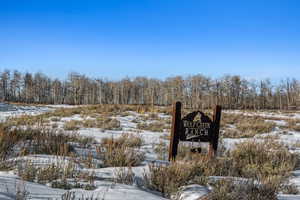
pixel 197 91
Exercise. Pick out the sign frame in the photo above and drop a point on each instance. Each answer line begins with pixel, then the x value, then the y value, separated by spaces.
pixel 180 126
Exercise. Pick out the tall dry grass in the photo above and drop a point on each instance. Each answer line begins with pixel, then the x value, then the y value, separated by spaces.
pixel 122 151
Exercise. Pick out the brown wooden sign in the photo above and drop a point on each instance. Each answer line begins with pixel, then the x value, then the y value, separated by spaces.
pixel 196 130
pixel 188 129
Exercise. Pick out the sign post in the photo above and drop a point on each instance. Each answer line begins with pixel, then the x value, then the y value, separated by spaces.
pixel 213 145
pixel 189 129
pixel 175 132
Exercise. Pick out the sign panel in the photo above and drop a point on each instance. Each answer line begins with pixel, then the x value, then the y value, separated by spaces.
pixel 196 130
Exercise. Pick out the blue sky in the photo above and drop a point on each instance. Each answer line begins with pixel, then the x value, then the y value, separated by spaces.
pixel 154 38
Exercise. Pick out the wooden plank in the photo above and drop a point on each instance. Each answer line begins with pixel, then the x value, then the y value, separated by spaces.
pixel 175 131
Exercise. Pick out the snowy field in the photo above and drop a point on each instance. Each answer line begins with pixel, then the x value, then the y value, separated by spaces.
pixel 9 110
pixel 104 183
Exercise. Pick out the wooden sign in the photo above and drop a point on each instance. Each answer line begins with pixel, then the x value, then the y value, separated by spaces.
pixel 192 130
pixel 188 129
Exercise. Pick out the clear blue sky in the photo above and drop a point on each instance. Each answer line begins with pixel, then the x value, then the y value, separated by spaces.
pixel 154 38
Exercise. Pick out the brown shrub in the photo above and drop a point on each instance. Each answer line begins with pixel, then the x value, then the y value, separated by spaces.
pixel 55 174
pixel 124 176
pixel 294 124
pixel 8 139
pixel 244 126
pixel 37 141
pixel 111 124
pixel 257 126
pixel 161 150
pixel 123 151
pixel 154 126
pixel 72 125
pixel 121 156
pixel 126 139
pixel 268 162
pixel 228 189
pixel 234 133
pixel 167 179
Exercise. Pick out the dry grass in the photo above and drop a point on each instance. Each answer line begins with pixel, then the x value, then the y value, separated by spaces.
pixel 26 120
pixel 263 159
pixel 55 119
pixel 228 189
pixel 161 150
pixel 111 124
pixel 99 122
pixel 166 136
pixel 84 111
pixel 17 141
pixel 270 137
pixel 104 121
pixel 72 125
pixel 123 151
pixel 234 133
pixel 296 144
pixel 124 176
pixel 126 139
pixel 257 126
pixel 150 116
pixel 108 109
pixel 244 126
pixel 56 175
pixel 153 126
pixel 254 160
pixel 268 162
pixel 122 156
pixel 293 124
pixel 289 189
pixel 168 179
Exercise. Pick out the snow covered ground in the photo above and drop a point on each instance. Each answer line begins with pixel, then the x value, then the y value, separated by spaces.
pixel 11 185
pixel 8 110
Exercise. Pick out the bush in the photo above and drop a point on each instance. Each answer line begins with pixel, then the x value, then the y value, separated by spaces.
pixel 293 124
pixel 246 126
pixel 154 126
pixel 37 141
pixel 104 123
pixel 267 162
pixel 128 140
pixel 289 189
pixel 123 151
pixel 55 174
pixel 48 174
pixel 124 176
pixel 256 126
pixel 121 156
pixel 111 124
pixel 263 159
pixel 55 119
pixel 8 139
pixel 250 159
pixel 228 189
pixel 167 179
pixel 161 150
pixel 72 125
pixel 27 172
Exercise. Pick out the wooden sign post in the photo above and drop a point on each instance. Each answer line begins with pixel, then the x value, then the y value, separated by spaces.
pixel 213 145
pixel 189 129
pixel 175 130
